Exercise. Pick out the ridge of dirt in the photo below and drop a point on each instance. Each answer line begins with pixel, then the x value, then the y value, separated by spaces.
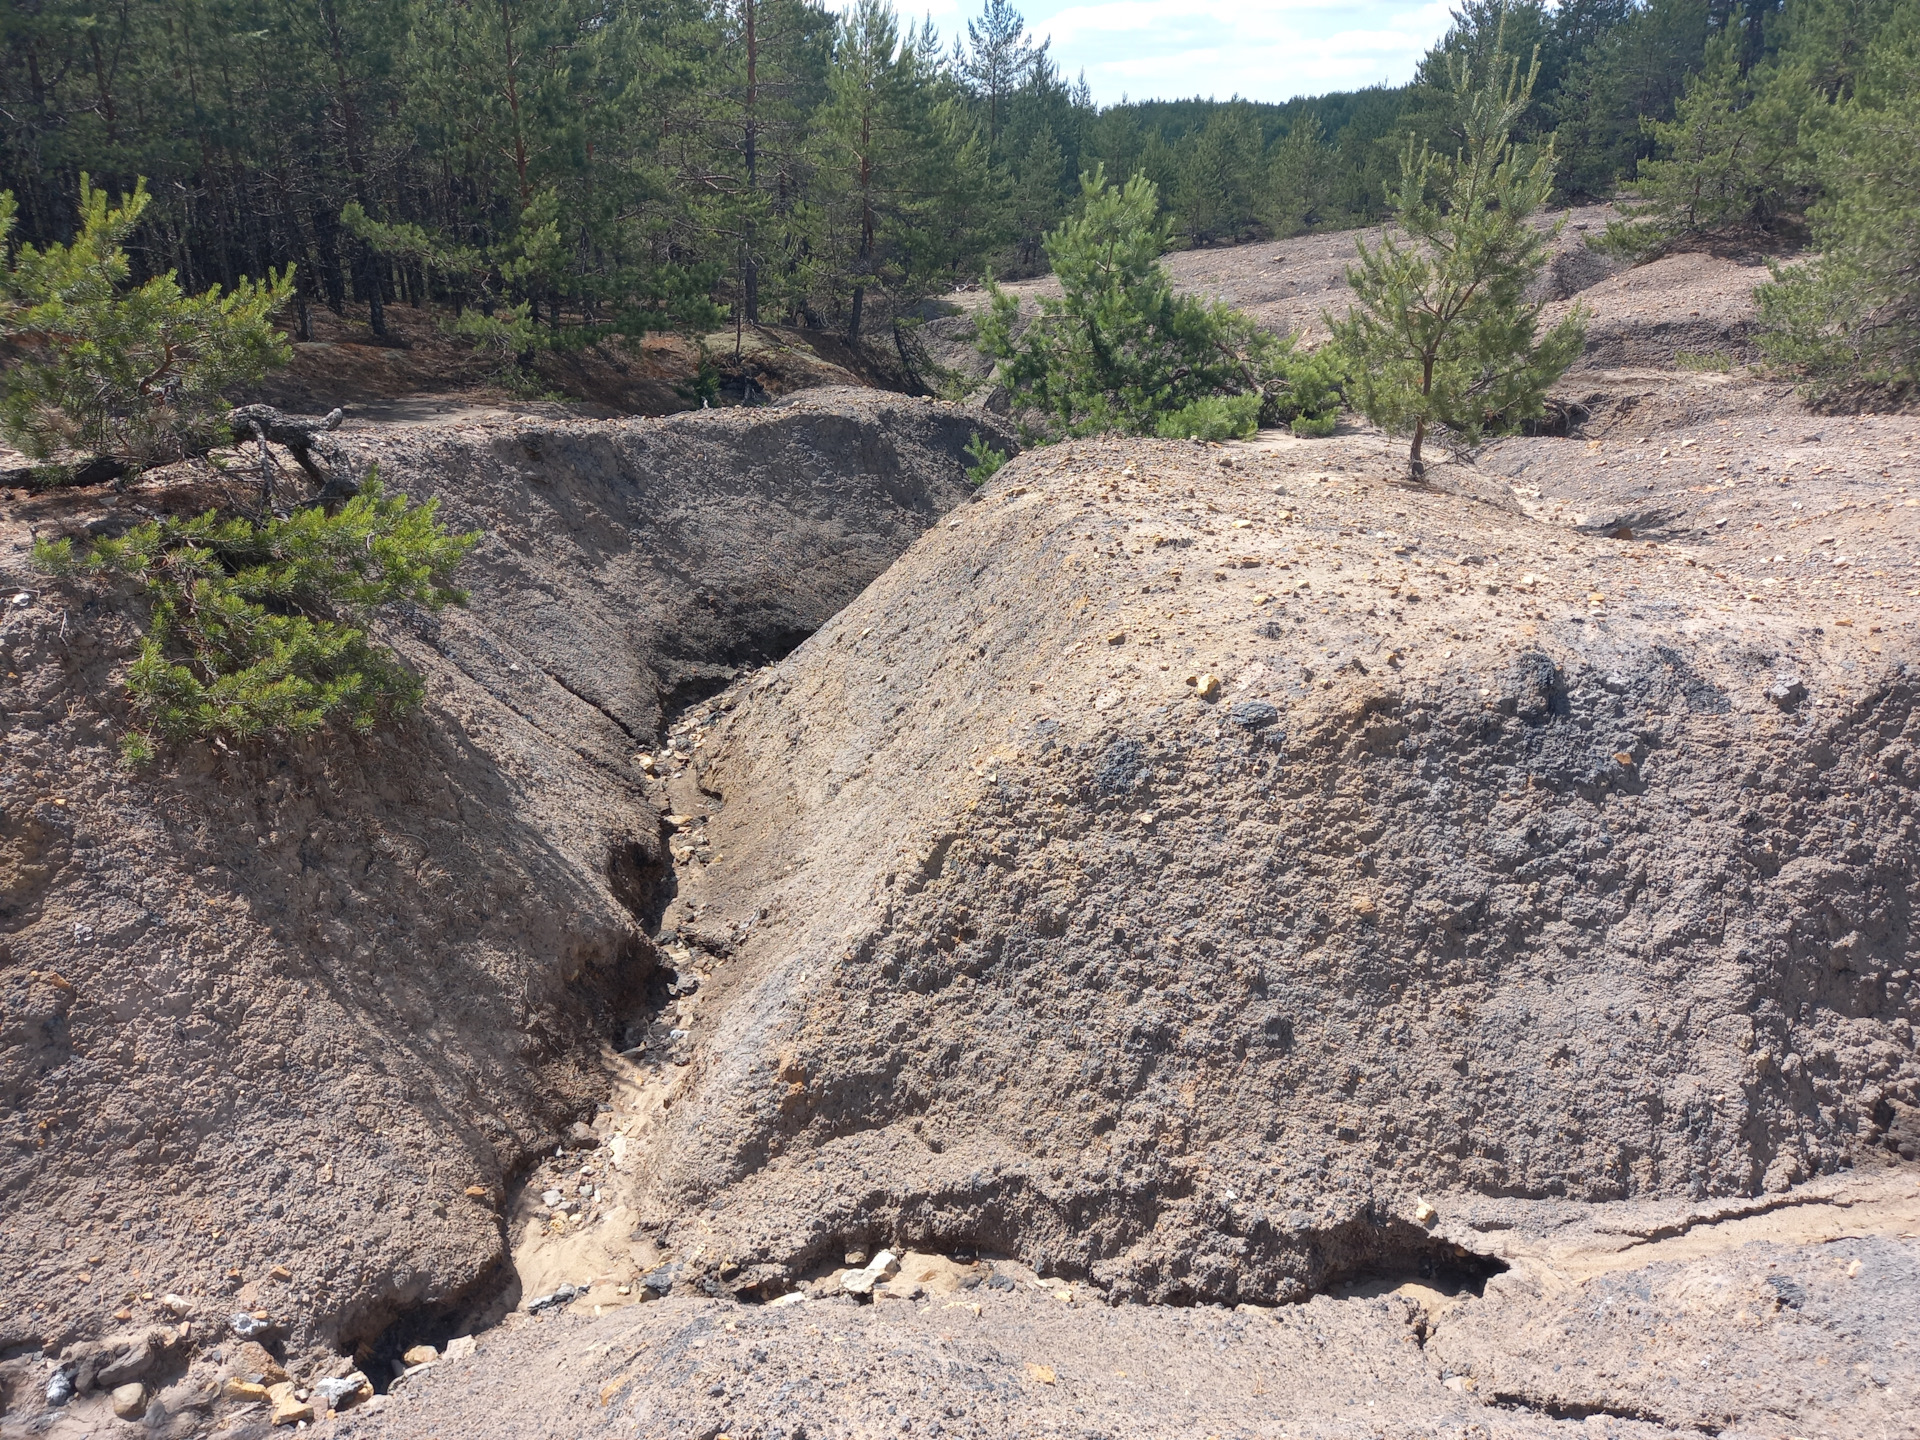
pixel 1526 873
pixel 1208 876
pixel 279 1026
pixel 419 370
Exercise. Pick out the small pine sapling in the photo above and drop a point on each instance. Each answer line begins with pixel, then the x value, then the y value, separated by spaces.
pixel 131 376
pixel 258 629
pixel 1441 332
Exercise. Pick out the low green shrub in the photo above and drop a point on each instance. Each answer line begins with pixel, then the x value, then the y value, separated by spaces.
pixel 258 628
pixel 1313 427
pixel 1214 417
pixel 986 460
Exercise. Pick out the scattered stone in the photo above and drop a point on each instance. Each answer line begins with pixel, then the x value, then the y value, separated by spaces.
pixel 345 1392
pixel 1787 691
pixel 252 1362
pixel 461 1347
pixel 177 1305
pixel 59 1388
pixel 287 1407
pixel 551 1199
pixel 130 1400
pixel 1252 714
pixel 133 1363
pixel 1425 1214
pixel 797 1297
pixel 658 1282
pixel 1043 1374
pixel 861 1282
pixel 1206 687
pixel 420 1355
pixel 249 1327
pixel 238 1389
pixel 565 1295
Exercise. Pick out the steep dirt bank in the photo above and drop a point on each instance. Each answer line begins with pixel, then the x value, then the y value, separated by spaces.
pixel 1526 896
pixel 418 368
pixel 1784 1320
pixel 1495 853
pixel 280 1025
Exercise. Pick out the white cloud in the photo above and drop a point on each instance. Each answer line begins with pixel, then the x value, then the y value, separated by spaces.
pixel 1259 49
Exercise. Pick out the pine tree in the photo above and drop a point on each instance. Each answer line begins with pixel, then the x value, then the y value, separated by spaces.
pixel 1036 196
pixel 998 59
pixel 132 375
pixel 1722 167
pixel 1851 315
pixel 1299 179
pixel 1119 350
pixel 877 128
pixel 1441 332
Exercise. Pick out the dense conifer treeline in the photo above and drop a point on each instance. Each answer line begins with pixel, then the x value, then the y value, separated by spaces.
pixel 575 166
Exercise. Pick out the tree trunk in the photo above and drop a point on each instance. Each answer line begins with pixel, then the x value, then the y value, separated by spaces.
pixel 859 304
pixel 1416 467
pixel 750 265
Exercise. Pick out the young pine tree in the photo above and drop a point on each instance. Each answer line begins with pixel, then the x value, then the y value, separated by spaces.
pixel 1441 332
pixel 1299 178
pixel 1722 161
pixel 1120 350
pixel 1851 315
pixel 129 375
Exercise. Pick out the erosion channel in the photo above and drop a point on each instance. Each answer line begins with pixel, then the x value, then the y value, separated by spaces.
pixel 1184 940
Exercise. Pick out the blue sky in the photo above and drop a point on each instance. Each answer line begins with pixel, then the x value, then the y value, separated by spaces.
pixel 1258 49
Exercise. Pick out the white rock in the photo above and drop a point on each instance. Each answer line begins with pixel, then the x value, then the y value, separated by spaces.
pixel 862 1281
pixel 461 1347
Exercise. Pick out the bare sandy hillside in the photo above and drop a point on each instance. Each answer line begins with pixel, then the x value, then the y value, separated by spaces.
pixel 1511 957
pixel 279 1029
pixel 1210 941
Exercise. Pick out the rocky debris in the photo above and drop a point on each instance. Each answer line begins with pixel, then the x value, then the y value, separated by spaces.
pixel 659 1282
pixel 252 1362
pixel 248 1326
pixel 1493 863
pixel 288 1405
pixel 343 1392
pixel 129 1401
pixel 1635 1320
pixel 1787 691
pixel 555 1299
pixel 883 1266
pixel 354 951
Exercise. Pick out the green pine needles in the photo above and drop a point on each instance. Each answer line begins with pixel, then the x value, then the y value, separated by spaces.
pixel 1441 332
pixel 1120 351
pixel 1849 316
pixel 258 628
pixel 132 375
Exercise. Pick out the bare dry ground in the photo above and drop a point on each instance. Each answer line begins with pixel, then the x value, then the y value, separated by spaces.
pixel 1276 952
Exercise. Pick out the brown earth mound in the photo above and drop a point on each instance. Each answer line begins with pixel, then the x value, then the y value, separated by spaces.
pixel 279 1026
pixel 1493 962
pixel 1190 874
pixel 1170 872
